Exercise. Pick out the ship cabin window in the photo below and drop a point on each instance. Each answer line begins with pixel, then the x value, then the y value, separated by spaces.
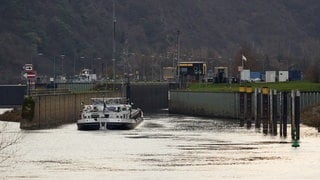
pixel 112 109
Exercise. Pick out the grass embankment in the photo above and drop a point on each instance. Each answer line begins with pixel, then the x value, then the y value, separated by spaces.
pixel 279 86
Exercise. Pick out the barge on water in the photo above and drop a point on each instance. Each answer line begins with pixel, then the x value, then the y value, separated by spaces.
pixel 109 113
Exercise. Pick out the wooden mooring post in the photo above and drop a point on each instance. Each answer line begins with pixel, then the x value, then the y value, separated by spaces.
pixel 241 105
pixel 284 114
pixel 265 110
pixel 257 109
pixel 249 106
pixel 273 112
pixel 270 108
pixel 295 117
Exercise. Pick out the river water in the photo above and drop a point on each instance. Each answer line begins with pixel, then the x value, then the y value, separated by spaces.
pixel 163 147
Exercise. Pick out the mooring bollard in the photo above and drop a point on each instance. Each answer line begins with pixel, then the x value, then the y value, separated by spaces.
pixel 241 105
pixel 249 106
pixel 295 142
pixel 265 109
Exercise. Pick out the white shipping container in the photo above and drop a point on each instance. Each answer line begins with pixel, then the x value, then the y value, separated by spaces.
pixel 270 76
pixel 283 76
pixel 245 75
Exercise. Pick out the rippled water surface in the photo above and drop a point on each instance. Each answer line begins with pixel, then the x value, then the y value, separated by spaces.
pixel 162 147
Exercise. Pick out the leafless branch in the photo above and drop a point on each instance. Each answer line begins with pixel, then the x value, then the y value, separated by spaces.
pixel 8 138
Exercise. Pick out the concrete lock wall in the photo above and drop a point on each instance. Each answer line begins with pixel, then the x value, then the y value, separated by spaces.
pixel 150 97
pixel 223 105
pixel 55 110
pixel 310 99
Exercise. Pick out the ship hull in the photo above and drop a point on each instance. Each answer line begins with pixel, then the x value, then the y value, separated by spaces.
pixel 124 125
pixel 88 126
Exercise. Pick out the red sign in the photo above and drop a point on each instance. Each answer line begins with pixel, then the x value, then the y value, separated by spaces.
pixel 31 75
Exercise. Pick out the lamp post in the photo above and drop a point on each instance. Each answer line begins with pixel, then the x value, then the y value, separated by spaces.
pixel 82 59
pixel 129 61
pixel 178 59
pixel 54 75
pixel 74 66
pixel 230 72
pixel 62 57
pixel 114 44
pixel 98 58
pixel 160 63
pixel 144 68
pixel 106 70
pixel 152 65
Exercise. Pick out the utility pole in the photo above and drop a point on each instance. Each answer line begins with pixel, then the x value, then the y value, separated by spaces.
pixel 114 45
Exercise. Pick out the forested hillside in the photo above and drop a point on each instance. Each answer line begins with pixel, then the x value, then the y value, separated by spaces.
pixel 39 32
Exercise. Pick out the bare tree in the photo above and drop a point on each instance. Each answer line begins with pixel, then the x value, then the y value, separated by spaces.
pixel 8 139
pixel 312 73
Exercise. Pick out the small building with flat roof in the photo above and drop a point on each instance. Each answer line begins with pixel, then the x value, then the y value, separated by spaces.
pixel 192 70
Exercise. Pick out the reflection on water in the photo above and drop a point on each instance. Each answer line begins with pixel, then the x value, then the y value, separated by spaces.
pixel 162 147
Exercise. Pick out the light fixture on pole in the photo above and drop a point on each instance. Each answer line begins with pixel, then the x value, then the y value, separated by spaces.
pixel 114 44
pixel 178 59
pixel 62 57
pixel 54 75
pixel 82 57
